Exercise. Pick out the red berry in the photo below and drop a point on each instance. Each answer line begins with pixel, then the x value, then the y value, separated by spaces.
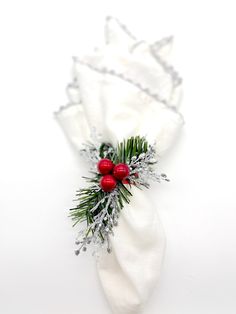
pixel 121 171
pixel 126 181
pixel 108 183
pixel 105 166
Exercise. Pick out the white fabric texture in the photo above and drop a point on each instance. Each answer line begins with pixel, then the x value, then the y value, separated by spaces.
pixel 127 88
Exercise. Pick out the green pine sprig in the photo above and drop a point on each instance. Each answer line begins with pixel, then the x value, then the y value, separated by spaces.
pixel 132 147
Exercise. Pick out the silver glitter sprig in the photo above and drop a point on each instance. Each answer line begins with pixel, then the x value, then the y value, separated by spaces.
pixel 143 169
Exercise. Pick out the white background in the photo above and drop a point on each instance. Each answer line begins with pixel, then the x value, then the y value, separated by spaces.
pixel 39 173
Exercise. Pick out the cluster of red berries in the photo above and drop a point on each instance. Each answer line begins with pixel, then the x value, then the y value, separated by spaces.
pixel 111 173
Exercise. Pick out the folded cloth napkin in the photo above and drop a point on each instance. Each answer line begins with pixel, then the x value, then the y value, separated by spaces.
pixel 123 89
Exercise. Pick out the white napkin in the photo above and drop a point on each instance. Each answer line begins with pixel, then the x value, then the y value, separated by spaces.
pixel 125 89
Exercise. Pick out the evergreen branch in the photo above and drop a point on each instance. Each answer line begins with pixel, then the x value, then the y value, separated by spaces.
pixel 100 210
pixel 132 147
